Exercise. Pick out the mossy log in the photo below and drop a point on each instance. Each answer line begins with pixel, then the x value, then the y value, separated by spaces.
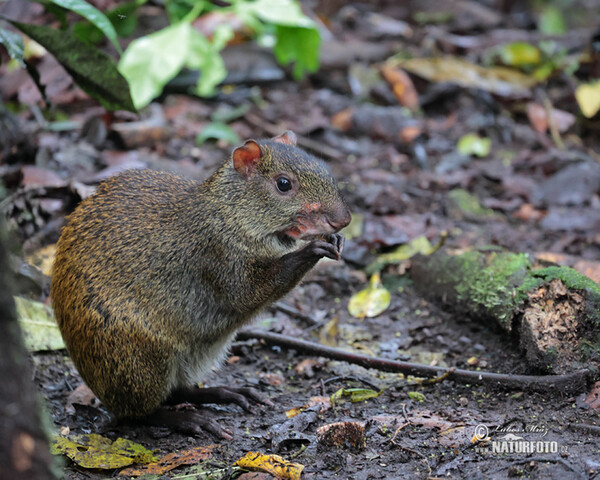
pixel 553 311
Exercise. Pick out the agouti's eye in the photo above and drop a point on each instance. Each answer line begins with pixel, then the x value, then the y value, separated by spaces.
pixel 284 184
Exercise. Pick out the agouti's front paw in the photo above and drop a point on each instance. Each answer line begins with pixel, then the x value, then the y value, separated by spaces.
pixel 331 247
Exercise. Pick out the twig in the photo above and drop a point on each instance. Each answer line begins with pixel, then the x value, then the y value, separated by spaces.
pixel 304 142
pixel 567 384
pixel 350 378
pixel 295 313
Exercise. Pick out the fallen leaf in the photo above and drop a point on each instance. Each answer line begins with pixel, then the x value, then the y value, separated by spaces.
pixel 82 395
pixel 588 98
pixel 501 81
pixel 402 86
pixel 371 301
pixel 519 54
pixel 43 259
pixel 273 464
pixel 538 117
pixel 593 397
pixel 418 245
pixel 40 330
pixel 171 461
pixel 473 144
pixel 96 451
pixel 355 394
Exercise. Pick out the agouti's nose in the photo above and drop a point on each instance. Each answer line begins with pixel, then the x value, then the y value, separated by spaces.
pixel 340 218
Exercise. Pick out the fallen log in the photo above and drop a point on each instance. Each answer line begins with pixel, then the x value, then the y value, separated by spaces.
pixel 553 311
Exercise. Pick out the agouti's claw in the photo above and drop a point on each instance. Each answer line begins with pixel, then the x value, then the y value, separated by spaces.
pixel 186 421
pixel 220 395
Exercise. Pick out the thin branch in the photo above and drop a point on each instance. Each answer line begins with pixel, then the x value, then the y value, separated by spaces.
pixel 567 384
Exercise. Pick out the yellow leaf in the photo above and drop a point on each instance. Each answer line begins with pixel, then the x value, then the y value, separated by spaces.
pixel 371 301
pixel 588 98
pixel 404 252
pixel 272 464
pixel 96 451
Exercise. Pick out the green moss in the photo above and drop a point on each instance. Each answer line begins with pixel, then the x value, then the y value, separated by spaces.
pixel 489 281
pixel 569 276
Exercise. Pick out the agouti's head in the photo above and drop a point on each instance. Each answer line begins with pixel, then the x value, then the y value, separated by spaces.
pixel 296 192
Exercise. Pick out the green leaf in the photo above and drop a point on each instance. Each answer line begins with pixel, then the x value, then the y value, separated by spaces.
pixel 40 330
pixel 13 43
pixel 473 144
pixel 92 14
pixel 404 252
pixel 300 46
pixel 551 21
pixel 151 61
pixel 96 451
pixel 371 301
pixel 92 70
pixel 518 54
pixel 204 56
pixel 277 12
pixel 355 394
pixel 217 131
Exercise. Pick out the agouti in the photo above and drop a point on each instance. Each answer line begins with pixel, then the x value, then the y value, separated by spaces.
pixel 155 273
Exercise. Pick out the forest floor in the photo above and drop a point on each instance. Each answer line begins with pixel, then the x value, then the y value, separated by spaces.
pixel 535 191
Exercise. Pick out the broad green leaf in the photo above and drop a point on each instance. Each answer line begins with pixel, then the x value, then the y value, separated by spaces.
pixel 151 61
pixel 278 12
pixel 96 451
pixel 94 71
pixel 13 43
pixel 40 331
pixel 473 144
pixel 297 39
pixel 518 54
pixel 204 56
pixel 371 301
pixel 588 98
pixel 217 131
pixel 92 14
pixel 298 45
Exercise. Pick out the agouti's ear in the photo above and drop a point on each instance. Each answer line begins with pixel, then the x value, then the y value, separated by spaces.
pixel 246 157
pixel 288 137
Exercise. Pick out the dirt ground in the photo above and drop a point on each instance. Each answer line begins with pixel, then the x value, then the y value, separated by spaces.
pixel 537 193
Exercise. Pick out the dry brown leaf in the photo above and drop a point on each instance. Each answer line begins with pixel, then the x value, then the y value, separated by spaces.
pixel 171 461
pixel 593 398
pixel 402 86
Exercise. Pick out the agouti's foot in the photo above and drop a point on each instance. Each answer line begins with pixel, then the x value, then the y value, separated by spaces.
pixel 199 396
pixel 186 421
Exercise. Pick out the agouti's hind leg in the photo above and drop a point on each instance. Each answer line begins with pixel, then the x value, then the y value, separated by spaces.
pixel 185 421
pixel 199 396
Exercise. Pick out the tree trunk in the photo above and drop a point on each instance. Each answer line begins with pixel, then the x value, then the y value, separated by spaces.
pixel 24 450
